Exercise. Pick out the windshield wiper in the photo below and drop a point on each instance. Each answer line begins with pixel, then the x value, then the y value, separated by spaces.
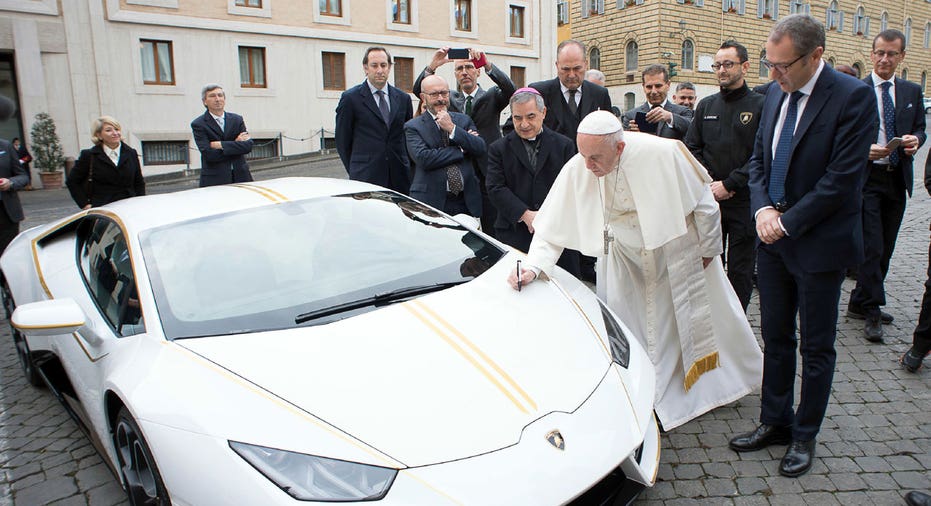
pixel 377 300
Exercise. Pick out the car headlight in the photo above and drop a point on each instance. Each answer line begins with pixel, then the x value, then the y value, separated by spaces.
pixel 620 347
pixel 311 478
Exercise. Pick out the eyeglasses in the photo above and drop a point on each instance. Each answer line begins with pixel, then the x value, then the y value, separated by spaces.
pixel 781 67
pixel 879 53
pixel 435 94
pixel 726 64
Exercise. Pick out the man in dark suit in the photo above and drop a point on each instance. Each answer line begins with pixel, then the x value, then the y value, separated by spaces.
pixel 483 106
pixel 223 141
pixel 13 177
pixel 806 175
pixel 671 120
pixel 721 137
pixel 889 177
pixel 569 97
pixel 521 170
pixel 444 146
pixel 370 121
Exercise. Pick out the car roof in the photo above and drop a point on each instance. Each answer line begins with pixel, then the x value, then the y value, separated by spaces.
pixel 150 211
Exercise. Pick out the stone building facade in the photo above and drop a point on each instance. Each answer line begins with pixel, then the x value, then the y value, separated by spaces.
pixel 627 35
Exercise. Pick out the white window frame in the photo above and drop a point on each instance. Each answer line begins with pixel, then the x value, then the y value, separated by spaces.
pixel 413 26
pixel 459 33
pixel 507 22
pixel 265 11
pixel 342 19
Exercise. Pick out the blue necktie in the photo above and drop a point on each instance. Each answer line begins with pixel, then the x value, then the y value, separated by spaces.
pixel 777 175
pixel 889 122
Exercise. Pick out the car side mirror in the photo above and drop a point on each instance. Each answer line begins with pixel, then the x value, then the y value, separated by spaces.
pixel 48 317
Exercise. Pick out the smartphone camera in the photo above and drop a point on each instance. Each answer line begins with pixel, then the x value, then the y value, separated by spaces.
pixel 458 54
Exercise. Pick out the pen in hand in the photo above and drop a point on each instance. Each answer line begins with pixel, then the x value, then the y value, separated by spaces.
pixel 518 275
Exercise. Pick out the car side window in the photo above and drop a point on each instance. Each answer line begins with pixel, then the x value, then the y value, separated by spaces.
pixel 103 257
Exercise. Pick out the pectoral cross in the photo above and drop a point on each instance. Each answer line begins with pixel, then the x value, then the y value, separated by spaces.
pixel 608 237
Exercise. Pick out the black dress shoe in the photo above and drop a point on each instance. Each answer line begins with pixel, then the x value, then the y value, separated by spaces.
pixel 873 330
pixel 761 437
pixel 912 359
pixel 917 499
pixel 860 315
pixel 798 458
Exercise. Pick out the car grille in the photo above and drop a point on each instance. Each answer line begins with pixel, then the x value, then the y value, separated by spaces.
pixel 614 488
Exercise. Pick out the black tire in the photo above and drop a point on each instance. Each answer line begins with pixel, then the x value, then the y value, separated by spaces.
pixel 19 340
pixel 141 479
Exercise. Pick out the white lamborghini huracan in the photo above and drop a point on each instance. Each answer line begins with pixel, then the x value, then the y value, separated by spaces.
pixel 314 340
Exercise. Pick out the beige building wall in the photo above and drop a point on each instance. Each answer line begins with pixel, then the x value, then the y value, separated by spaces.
pixel 78 59
pixel 660 26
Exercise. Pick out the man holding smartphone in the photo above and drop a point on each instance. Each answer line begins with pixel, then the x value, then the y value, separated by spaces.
pixel 658 116
pixel 889 178
pixel 483 106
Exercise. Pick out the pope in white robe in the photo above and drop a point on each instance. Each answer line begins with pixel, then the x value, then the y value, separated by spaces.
pixel 642 205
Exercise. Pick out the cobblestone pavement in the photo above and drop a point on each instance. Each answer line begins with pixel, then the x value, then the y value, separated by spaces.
pixel 875 444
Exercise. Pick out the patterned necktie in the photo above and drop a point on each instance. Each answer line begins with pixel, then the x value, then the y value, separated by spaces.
pixel 468 107
pixel 453 174
pixel 383 106
pixel 777 175
pixel 221 121
pixel 115 158
pixel 889 121
pixel 573 107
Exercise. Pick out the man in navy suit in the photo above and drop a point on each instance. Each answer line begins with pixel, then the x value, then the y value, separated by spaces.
pixel 222 139
pixel 806 175
pixel 901 113
pixel 370 121
pixel 444 146
pixel 483 106
pixel 521 170
pixel 672 120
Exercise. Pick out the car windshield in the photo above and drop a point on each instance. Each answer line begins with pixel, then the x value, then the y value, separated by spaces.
pixel 305 263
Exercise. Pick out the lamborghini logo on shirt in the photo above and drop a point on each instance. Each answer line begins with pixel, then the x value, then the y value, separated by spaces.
pixel 555 439
pixel 745 117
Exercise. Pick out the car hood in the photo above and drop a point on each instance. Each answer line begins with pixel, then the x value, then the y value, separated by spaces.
pixel 442 377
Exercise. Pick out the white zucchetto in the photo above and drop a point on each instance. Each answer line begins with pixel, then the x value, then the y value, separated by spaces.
pixel 599 123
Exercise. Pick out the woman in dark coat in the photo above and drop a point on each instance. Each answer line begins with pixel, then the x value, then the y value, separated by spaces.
pixel 107 172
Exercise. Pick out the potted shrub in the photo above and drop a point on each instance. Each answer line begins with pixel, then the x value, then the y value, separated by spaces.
pixel 46 148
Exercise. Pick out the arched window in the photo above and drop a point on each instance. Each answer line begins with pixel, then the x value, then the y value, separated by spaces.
pixel 831 17
pixel 905 74
pixel 594 59
pixel 764 72
pixel 884 21
pixel 924 81
pixel 629 99
pixel 631 55
pixel 859 22
pixel 908 32
pixel 858 68
pixel 831 62
pixel 688 55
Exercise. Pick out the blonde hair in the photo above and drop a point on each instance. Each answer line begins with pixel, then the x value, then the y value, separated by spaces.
pixel 97 126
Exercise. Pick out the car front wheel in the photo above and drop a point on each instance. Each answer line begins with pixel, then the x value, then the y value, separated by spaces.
pixel 141 478
pixel 19 340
